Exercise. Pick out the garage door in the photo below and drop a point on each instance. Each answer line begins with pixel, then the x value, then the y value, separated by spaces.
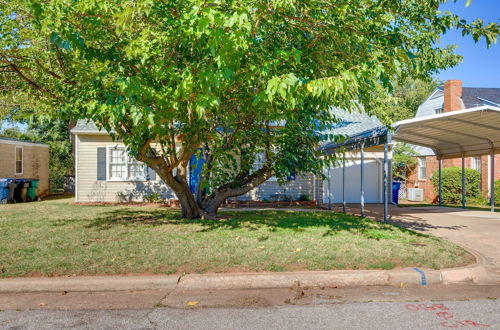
pixel 372 183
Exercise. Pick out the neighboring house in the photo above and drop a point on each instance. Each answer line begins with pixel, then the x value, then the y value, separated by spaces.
pixel 452 97
pixel 104 173
pixel 25 160
pixel 356 124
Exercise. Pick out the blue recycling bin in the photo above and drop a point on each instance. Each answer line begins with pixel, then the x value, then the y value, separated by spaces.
pixel 5 185
pixel 4 190
pixel 395 192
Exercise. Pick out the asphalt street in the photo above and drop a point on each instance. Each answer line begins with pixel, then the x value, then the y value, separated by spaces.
pixel 374 315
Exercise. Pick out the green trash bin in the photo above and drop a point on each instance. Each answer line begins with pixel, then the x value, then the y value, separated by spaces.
pixel 32 190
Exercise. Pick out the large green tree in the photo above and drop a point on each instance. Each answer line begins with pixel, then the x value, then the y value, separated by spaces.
pixel 408 95
pixel 234 79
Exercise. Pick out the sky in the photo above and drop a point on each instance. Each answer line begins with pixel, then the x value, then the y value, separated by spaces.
pixel 480 66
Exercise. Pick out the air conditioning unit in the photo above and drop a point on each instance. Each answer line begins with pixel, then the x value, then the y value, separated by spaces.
pixel 415 194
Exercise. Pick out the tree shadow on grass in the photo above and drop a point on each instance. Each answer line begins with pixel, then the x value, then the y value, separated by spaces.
pixel 271 221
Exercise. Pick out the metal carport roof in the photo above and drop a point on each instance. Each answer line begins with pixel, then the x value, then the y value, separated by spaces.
pixel 470 132
pixel 456 134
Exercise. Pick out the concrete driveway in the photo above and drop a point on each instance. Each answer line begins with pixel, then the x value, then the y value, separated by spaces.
pixel 478 231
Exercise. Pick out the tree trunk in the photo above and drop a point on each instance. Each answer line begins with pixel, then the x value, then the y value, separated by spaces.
pixel 179 185
pixel 211 206
pixel 190 209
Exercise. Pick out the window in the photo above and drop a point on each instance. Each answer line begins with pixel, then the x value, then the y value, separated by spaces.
pixel 476 164
pixel 122 166
pixel 439 110
pixel 422 168
pixel 19 160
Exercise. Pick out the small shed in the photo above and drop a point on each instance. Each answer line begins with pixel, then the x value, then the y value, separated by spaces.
pixel 21 159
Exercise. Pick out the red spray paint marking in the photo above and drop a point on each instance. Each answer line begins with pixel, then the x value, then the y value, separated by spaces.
pixel 441 313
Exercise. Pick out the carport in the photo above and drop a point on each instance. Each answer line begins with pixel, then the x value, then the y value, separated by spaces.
pixel 457 134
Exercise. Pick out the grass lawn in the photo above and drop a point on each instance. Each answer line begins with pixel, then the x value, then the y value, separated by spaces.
pixel 57 238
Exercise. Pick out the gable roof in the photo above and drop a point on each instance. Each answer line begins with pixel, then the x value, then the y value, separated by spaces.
pixel 352 122
pixel 85 126
pixel 356 126
pixel 476 97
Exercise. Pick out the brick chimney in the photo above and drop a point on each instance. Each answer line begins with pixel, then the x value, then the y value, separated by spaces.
pixel 453 95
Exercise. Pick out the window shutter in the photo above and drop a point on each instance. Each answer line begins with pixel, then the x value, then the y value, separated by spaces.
pixel 101 164
pixel 150 174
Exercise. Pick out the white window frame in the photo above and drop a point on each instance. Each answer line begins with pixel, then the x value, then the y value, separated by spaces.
pixel 422 160
pixel 476 163
pixel 15 160
pixel 127 163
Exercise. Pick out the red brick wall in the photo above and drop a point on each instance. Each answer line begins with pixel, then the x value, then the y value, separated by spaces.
pixel 430 194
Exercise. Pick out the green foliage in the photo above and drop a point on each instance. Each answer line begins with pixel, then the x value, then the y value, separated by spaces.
pixel 55 133
pixel 452 184
pixel 403 161
pixel 237 79
pixel 153 198
pixel 304 198
pixel 479 200
pixel 408 95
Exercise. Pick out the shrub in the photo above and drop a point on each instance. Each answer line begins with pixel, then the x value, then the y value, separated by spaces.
pixel 452 184
pixel 153 198
pixel 479 200
pixel 304 198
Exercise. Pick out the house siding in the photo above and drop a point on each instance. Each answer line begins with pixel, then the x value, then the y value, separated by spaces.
pixel 89 189
pixel 35 164
pixel 435 101
pixel 293 189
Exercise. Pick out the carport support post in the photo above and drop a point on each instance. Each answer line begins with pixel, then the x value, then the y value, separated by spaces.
pixel 362 179
pixel 492 181
pixel 329 189
pixel 386 180
pixel 440 171
pixel 343 185
pixel 463 181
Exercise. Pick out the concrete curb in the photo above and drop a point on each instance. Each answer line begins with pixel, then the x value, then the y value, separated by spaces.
pixel 88 283
pixel 283 280
pixel 339 278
